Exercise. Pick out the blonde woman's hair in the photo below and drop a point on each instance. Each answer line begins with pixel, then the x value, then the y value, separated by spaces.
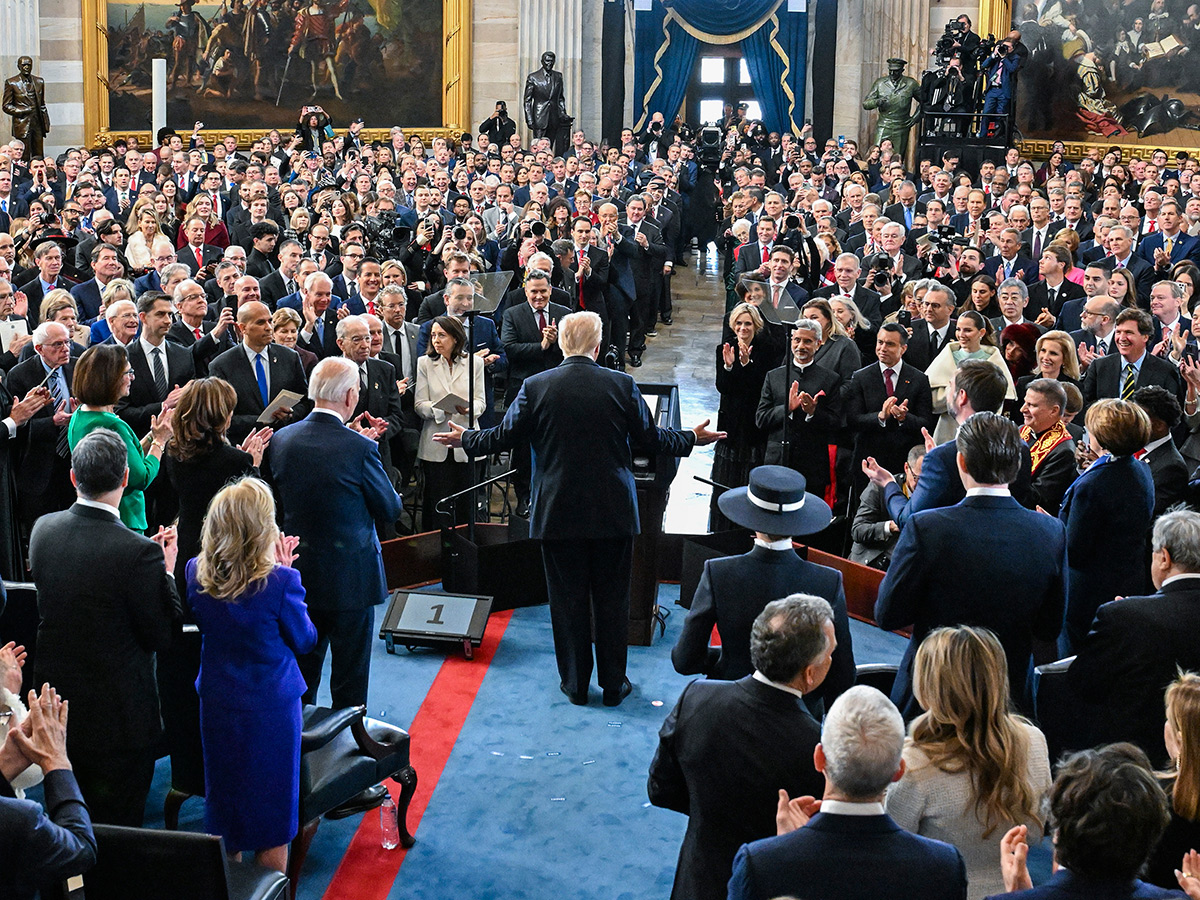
pixel 237 545
pixel 960 677
pixel 1183 716
pixel 747 309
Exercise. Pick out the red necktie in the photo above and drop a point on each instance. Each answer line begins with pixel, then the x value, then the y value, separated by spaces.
pixel 1140 453
pixel 199 258
pixel 541 320
pixel 582 305
pixel 1153 226
pixel 888 385
pixel 371 307
pixel 197 330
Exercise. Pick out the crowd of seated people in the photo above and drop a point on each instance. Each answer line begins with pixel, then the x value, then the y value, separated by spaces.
pixel 175 309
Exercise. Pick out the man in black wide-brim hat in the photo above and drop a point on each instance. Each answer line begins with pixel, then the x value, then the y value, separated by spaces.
pixel 734 589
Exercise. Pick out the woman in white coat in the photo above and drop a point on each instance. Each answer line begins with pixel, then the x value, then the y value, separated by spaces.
pixel 442 375
pixel 975 341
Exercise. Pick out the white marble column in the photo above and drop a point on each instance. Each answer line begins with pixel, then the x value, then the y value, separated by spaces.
pixel 18 37
pixel 558 26
pixel 493 59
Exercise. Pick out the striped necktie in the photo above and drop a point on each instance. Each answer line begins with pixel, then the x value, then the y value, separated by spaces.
pixel 1128 383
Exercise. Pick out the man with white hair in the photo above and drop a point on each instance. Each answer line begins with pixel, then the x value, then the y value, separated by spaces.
pixel 844 846
pixel 729 747
pixel 332 489
pixel 581 419
pixel 44 473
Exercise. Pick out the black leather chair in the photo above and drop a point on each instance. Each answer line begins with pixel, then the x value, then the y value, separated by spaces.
pixel 342 753
pixel 147 864
pixel 1069 723
pixel 880 676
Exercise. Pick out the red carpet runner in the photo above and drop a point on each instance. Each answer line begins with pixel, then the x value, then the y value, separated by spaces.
pixel 367 871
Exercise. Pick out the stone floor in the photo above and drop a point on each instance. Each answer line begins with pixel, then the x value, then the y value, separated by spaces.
pixel 684 354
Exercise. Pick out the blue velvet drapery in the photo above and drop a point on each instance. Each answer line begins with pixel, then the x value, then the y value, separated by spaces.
pixel 774 44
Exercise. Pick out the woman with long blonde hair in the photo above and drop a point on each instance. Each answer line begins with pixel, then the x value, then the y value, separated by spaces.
pixel 1181 780
pixel 249 604
pixel 973 768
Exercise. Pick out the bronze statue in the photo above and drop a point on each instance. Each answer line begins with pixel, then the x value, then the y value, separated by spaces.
pixel 893 95
pixel 25 101
pixel 545 105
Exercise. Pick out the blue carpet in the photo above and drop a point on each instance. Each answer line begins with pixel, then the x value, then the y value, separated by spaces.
pixel 535 786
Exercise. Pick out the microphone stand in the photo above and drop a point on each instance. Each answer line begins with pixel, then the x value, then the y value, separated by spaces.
pixel 470 314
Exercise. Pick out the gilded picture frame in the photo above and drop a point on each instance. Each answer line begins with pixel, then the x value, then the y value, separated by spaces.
pixel 455 85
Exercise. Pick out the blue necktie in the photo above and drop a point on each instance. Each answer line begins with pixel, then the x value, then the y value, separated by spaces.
pixel 320 326
pixel 261 373
pixel 908 218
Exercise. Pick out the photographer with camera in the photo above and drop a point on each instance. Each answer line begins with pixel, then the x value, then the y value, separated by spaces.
pixel 999 73
pixel 498 126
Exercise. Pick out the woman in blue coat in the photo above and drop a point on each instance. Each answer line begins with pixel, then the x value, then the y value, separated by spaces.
pixel 249 604
pixel 1107 511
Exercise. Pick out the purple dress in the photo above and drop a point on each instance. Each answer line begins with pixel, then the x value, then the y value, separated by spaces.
pixel 250 712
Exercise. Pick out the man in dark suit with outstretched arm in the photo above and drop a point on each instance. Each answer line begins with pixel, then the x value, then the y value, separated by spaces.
pixel 581 420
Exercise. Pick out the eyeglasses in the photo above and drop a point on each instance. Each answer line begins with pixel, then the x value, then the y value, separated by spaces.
pixel 56 343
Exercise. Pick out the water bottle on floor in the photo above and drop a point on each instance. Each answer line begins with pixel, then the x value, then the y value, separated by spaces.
pixel 388 829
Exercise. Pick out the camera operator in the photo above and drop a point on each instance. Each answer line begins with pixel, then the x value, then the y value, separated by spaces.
pixel 498 126
pixel 999 73
pixel 966 43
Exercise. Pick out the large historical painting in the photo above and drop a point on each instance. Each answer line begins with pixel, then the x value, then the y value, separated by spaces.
pixel 1112 71
pixel 255 63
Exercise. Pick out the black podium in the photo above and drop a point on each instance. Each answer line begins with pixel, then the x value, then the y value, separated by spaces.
pixel 501 562
pixel 652 474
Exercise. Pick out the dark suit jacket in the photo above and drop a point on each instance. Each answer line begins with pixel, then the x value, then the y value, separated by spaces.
pixel 1131 654
pixel 98 636
pixel 808 440
pixel 204 350
pixel 1143 276
pixel 32 289
pixel 919 353
pixel 865 299
pixel 575 412
pixel 939 484
pixel 142 401
pixel 286 373
pixel 382 400
pixel 850 858
pixel 87 298
pixel 273 289
pixel 43 847
pixel 1185 247
pixel 593 285
pixel 1107 512
pixel 1038 298
pixel 522 341
pixel 992 265
pixel 1170 474
pixel 332 488
pixel 209 254
pixel 733 591
pixel 1064 885
pixel 723 754
pixel 862 399
pixel 325 344
pixel 1103 377
pixel 1054 476
pixel 1005 574
pixel 39 460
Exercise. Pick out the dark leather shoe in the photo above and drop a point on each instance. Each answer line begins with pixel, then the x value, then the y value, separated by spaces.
pixel 614 698
pixel 577 699
pixel 368 799
pixel 667 320
pixel 635 359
